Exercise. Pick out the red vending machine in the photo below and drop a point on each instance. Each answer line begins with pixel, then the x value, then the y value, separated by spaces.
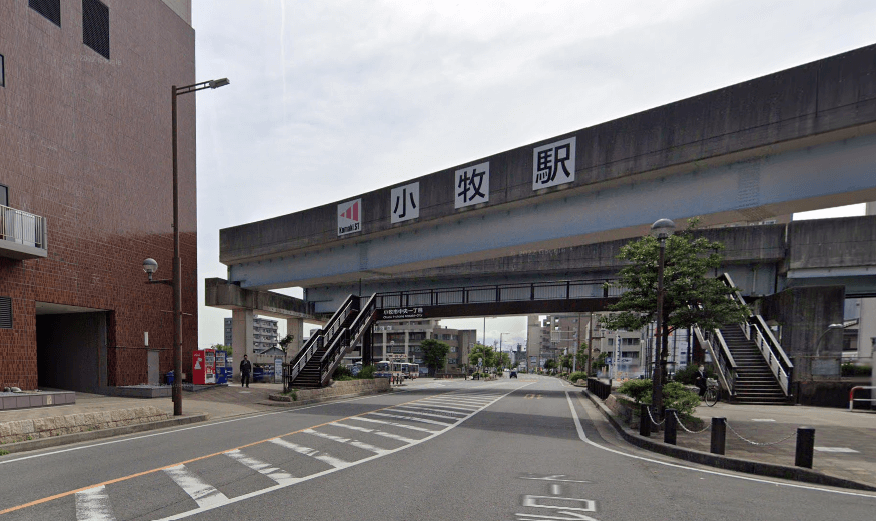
pixel 204 367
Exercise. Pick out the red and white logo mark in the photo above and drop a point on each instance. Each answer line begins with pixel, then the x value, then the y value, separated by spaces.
pixel 350 217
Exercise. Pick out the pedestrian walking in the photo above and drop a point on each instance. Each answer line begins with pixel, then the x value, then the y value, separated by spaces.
pixel 245 371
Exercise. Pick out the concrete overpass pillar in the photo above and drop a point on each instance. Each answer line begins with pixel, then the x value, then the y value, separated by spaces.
pixel 294 327
pixel 241 338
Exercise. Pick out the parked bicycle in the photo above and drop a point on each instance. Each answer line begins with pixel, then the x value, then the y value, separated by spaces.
pixel 713 392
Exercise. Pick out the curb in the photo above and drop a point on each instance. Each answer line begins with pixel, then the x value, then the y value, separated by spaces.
pixel 67 439
pixel 724 462
pixel 290 403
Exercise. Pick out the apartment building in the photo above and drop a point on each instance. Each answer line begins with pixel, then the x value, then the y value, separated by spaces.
pixel 264 333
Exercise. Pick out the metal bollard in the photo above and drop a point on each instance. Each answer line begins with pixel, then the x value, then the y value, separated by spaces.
pixel 669 435
pixel 719 435
pixel 644 420
pixel 805 447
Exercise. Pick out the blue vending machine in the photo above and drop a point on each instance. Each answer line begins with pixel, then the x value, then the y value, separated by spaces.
pixel 221 374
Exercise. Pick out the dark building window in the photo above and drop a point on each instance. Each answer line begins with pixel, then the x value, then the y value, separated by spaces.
pixel 5 313
pixel 4 196
pixel 95 26
pixel 2 72
pixel 51 9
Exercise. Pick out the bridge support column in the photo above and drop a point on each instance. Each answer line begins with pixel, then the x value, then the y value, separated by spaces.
pixel 241 339
pixel 294 327
pixel 366 347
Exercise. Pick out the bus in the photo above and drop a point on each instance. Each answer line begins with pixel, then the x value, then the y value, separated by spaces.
pixel 388 369
pixel 410 371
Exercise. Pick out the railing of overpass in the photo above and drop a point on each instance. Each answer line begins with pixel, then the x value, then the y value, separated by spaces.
pixel 554 290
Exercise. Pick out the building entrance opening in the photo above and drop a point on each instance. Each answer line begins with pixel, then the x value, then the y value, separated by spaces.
pixel 71 347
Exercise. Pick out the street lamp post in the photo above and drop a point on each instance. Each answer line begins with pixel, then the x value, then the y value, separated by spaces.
pixel 151 267
pixel 661 230
pixel 830 328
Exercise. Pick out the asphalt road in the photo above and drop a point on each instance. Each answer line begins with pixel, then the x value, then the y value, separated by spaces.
pixel 527 449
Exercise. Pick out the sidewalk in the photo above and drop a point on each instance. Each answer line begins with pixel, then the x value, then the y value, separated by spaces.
pixel 845 442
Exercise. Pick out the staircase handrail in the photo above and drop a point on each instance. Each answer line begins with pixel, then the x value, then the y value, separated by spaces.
pixel 347 338
pixel 723 359
pixel 313 344
pixel 756 330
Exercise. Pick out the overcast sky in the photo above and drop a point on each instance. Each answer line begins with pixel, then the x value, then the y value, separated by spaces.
pixel 331 99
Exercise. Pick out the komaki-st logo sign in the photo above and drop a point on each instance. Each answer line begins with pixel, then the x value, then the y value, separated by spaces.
pixel 349 217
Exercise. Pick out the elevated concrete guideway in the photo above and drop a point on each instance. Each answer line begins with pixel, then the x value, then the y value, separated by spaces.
pixel 797 140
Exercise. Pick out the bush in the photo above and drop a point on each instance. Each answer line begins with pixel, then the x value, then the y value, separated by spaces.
pixel 639 390
pixel 675 395
pixel 577 375
pixel 342 374
pixel 367 373
pixel 688 375
pixel 850 369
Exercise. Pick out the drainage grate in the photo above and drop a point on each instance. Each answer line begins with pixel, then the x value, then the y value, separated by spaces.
pixel 95 26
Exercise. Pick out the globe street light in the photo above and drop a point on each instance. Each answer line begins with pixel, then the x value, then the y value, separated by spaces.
pixel 151 267
pixel 660 230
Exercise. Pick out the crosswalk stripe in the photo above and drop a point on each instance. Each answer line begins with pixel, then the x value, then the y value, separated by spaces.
pixel 355 443
pixel 445 406
pixel 375 432
pixel 261 467
pixel 394 424
pixel 313 453
pixel 417 410
pixel 203 493
pixel 411 418
pixel 93 505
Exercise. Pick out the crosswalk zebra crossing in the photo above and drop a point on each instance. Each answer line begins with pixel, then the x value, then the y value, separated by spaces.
pixel 293 458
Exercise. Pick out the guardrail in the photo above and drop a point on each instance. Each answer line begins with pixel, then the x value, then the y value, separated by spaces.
pixel 722 357
pixel 22 227
pixel 852 398
pixel 556 290
pixel 599 388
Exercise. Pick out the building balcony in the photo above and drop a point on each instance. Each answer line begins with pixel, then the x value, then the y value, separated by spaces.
pixel 22 234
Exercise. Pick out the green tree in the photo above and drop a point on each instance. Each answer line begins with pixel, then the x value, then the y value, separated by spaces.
pixel 221 347
pixel 581 357
pixel 566 361
pixel 550 364
pixel 502 360
pixel 483 352
pixel 434 354
pixel 691 295
pixel 285 341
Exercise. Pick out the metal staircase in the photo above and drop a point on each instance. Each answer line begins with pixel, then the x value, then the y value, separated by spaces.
pixel 752 366
pixel 317 360
pixel 754 382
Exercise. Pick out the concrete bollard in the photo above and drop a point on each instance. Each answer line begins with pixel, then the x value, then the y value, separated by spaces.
pixel 644 420
pixel 670 433
pixel 805 447
pixel 719 436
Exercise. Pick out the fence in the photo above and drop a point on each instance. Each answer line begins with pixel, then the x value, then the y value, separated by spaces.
pixel 599 388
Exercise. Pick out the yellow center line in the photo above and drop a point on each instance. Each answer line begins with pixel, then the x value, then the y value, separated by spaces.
pixel 145 472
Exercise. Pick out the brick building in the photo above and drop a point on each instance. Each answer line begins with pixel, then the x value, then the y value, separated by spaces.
pixel 85 169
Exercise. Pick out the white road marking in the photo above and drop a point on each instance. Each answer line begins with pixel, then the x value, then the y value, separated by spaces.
pixel 394 424
pixel 418 410
pixel 454 406
pixel 835 449
pixel 349 441
pixel 411 418
pixel 434 407
pixel 556 489
pixel 376 432
pixel 555 477
pixel 583 437
pixel 580 505
pixel 762 420
pixel 204 494
pixel 268 490
pixel 313 453
pixel 93 505
pixel 261 467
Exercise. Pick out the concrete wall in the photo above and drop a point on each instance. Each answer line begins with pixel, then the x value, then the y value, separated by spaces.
pixel 72 351
pixel 744 121
pixel 846 242
pixel 803 315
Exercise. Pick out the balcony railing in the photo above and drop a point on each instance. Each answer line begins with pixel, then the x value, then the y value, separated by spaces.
pixel 26 232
